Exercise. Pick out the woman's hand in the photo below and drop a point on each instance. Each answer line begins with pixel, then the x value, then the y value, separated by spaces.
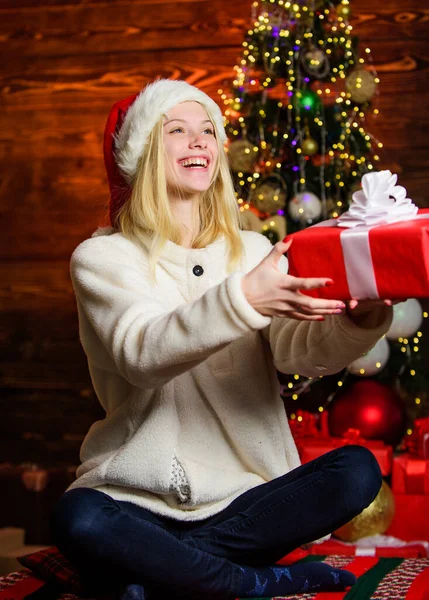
pixel 358 310
pixel 273 293
pixel 362 306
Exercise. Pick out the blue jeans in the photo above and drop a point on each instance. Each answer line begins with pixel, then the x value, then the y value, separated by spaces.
pixel 111 542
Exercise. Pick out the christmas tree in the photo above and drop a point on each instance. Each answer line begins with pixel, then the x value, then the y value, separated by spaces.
pixel 298 117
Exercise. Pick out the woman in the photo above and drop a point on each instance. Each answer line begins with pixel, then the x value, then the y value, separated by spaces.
pixel 192 480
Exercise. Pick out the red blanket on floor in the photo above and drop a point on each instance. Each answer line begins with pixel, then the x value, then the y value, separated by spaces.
pixel 378 579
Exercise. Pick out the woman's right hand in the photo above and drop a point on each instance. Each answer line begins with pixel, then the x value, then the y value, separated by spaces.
pixel 273 293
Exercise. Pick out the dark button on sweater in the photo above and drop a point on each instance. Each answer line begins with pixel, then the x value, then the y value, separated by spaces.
pixel 198 270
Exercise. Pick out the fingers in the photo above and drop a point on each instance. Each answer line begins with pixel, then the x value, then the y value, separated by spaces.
pixel 313 305
pixel 369 303
pixel 283 246
pixel 301 317
pixel 307 283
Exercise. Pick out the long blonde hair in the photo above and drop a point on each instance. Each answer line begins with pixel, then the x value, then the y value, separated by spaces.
pixel 148 210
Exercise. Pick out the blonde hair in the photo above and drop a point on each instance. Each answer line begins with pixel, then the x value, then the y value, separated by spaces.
pixel 148 210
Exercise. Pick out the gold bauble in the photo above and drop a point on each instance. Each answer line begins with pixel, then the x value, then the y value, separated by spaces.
pixel 241 156
pixel 269 197
pixel 375 519
pixel 344 10
pixel 361 85
pixel 309 146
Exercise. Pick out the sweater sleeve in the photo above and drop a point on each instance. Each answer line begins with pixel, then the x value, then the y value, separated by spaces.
pixel 313 348
pixel 148 344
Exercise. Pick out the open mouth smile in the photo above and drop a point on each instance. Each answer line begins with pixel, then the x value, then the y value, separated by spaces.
pixel 197 163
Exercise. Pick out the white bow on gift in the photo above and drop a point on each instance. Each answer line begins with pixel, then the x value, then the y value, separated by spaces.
pixel 379 202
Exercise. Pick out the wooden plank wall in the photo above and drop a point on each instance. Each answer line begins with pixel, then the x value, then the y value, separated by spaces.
pixel 64 62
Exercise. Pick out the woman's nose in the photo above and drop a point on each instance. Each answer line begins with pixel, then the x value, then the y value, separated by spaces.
pixel 198 140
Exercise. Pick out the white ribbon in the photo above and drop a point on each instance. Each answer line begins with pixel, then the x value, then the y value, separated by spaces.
pixel 379 202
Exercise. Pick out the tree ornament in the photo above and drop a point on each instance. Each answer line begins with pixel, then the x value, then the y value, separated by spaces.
pixel 314 62
pixel 344 11
pixel 241 155
pixel 271 227
pixel 374 519
pixel 361 85
pixel 305 208
pixel 373 408
pixel 270 196
pixel 309 146
pixel 306 100
pixel 373 361
pixel 407 319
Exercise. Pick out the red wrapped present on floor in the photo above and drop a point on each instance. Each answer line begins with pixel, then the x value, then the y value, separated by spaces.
pixel 313 447
pixel 391 547
pixel 418 442
pixel 378 249
pixel 411 519
pixel 410 475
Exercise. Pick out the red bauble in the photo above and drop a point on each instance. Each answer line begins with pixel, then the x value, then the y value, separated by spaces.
pixel 373 408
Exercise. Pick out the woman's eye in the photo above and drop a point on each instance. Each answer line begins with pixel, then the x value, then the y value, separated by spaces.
pixel 177 129
pixel 209 130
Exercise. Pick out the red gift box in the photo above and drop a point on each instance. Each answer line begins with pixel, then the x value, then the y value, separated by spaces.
pixel 418 442
pixel 385 261
pixel 409 550
pixel 411 519
pixel 410 475
pixel 311 448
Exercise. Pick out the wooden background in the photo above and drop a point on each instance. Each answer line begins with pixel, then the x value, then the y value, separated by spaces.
pixel 64 63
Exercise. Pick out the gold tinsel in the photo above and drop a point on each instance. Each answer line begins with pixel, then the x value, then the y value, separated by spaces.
pixel 375 519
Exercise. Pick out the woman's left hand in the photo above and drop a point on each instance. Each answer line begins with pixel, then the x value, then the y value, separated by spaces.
pixel 357 310
pixel 364 306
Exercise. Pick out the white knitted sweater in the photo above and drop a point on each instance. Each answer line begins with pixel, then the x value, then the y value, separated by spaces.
pixel 185 371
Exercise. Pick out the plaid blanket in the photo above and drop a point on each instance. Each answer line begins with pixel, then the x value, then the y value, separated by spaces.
pixel 378 579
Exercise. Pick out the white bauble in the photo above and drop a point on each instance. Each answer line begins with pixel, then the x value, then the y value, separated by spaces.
pixel 305 208
pixel 407 319
pixel 373 361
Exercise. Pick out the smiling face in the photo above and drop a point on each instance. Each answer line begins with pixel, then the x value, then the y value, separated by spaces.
pixel 191 149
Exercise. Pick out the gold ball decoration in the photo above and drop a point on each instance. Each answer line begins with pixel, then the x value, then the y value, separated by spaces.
pixel 242 155
pixel 309 146
pixel 344 11
pixel 361 85
pixel 373 520
pixel 269 197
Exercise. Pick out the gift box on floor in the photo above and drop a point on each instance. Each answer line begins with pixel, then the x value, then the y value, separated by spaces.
pixel 411 519
pixel 365 257
pixel 417 549
pixel 410 475
pixel 310 448
pixel 417 443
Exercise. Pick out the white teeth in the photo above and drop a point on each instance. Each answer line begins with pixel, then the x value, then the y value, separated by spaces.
pixel 194 161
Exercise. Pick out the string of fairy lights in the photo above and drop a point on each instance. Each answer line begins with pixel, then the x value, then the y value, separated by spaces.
pixel 301 76
pixel 298 66
pixel 409 347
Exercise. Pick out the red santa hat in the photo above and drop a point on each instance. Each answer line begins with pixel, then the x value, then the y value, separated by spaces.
pixel 128 127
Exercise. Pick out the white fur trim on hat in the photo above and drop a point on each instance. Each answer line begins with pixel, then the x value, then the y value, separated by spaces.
pixel 147 109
